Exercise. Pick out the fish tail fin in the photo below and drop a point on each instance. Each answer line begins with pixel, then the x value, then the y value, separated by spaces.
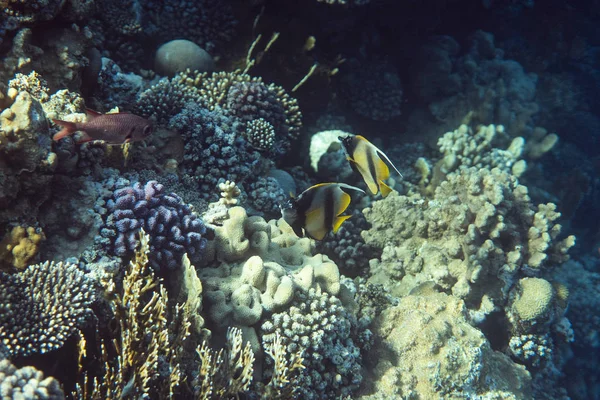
pixel 68 128
pixel 339 221
pixel 385 189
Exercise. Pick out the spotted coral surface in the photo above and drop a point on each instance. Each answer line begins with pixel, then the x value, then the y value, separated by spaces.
pixel 42 306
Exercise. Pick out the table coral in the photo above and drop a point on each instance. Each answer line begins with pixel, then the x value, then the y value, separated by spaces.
pixel 49 298
pixel 429 350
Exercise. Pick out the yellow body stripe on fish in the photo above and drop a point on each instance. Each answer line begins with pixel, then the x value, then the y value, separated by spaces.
pixel 318 209
pixel 366 159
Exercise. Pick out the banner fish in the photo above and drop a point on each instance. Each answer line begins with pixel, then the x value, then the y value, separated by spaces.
pixel 118 128
pixel 366 159
pixel 318 209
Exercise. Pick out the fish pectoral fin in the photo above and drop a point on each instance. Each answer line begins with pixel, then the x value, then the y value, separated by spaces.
pixel 338 222
pixel 385 189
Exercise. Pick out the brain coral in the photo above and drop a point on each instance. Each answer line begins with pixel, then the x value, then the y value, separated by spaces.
pixel 472 238
pixel 173 228
pixel 42 306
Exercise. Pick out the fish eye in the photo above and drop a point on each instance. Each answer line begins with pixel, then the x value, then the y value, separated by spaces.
pixel 147 130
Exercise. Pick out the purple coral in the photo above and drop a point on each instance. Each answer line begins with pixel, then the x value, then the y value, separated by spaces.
pixel 173 228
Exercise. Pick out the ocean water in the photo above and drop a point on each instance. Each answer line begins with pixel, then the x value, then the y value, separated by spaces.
pixel 317 199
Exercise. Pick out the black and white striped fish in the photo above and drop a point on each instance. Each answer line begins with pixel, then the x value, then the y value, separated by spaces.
pixel 318 209
pixel 366 159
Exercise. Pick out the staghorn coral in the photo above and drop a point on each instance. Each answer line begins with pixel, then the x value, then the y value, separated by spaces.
pixel 49 298
pixel 429 350
pixel 19 246
pixel 476 234
pixel 174 228
pixel 27 383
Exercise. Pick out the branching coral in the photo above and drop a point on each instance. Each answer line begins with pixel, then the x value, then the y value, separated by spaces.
pixel 49 298
pixel 146 337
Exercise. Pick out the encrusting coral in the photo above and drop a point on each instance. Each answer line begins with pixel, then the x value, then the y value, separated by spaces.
pixel 19 247
pixel 429 350
pixel 42 306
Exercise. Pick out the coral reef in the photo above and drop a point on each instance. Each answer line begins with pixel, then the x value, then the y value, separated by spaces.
pixel 179 55
pixel 19 247
pixel 320 326
pixel 49 298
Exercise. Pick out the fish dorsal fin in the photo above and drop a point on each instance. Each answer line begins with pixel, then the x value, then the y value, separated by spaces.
pixel 91 113
pixel 385 189
pixel 339 221
pixel 382 154
pixel 346 186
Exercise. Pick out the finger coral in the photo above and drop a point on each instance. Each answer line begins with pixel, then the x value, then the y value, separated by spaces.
pixel 42 306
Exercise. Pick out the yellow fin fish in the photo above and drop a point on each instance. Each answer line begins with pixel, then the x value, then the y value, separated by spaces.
pixel 366 159
pixel 318 209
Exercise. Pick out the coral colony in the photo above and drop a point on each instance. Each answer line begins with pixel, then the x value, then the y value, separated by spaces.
pixel 326 199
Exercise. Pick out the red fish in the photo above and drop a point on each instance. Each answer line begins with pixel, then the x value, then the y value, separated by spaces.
pixel 118 128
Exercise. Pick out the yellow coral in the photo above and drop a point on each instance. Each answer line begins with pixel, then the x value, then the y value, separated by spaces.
pixel 19 246
pixel 534 299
